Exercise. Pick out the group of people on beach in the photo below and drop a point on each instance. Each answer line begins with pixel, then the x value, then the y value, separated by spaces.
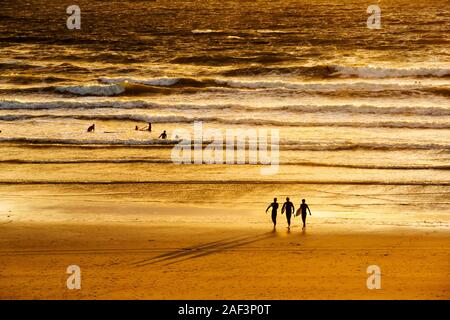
pixel 148 128
pixel 289 208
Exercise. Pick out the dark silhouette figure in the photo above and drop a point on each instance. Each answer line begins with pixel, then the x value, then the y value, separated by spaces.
pixel 149 127
pixel 303 208
pixel 163 135
pixel 274 206
pixel 91 128
pixel 288 206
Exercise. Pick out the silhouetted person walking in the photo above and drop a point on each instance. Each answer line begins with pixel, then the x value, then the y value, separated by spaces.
pixel 288 206
pixel 303 208
pixel 274 206
pixel 149 127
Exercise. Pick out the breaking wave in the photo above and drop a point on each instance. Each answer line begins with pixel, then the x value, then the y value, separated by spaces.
pixel 375 72
pixel 325 71
pixel 240 121
pixel 93 90
pixel 299 163
pixel 141 104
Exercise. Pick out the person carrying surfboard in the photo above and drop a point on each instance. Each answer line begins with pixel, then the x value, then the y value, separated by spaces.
pixel 288 206
pixel 302 211
pixel 274 206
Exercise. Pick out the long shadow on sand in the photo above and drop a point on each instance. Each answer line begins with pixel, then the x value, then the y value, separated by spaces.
pixel 202 250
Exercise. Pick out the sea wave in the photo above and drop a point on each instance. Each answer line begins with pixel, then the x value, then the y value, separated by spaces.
pixel 318 71
pixel 273 181
pixel 134 86
pixel 92 90
pixel 339 88
pixel 129 86
pixel 284 145
pixel 227 60
pixel 31 79
pixel 331 71
pixel 258 84
pixel 378 72
pixel 228 121
pixel 293 163
pixel 206 31
pixel 108 142
pixel 165 82
pixel 141 104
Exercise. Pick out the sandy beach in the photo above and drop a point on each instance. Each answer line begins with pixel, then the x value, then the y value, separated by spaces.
pixel 135 249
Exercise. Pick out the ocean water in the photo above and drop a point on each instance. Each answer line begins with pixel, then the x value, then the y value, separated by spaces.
pixel 353 106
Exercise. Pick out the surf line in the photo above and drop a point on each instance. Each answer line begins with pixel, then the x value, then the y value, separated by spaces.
pixel 227 146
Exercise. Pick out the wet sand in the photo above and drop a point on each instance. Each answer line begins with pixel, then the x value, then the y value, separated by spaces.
pixel 133 250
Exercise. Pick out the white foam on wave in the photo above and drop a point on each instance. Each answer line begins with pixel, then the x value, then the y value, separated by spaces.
pixel 61 141
pixel 363 86
pixel 270 31
pixel 240 121
pixel 363 109
pixel 64 104
pixel 92 90
pixel 348 145
pixel 202 31
pixel 281 84
pixel 163 81
pixel 284 145
pixel 141 104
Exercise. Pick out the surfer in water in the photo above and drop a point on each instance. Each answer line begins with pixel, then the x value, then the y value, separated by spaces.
pixel 302 209
pixel 91 128
pixel 163 135
pixel 274 206
pixel 288 206
pixel 149 128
